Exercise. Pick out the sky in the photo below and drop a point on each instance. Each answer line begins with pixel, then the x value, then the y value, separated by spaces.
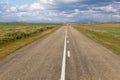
pixel 59 10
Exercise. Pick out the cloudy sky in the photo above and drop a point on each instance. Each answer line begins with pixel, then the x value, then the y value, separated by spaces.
pixel 59 10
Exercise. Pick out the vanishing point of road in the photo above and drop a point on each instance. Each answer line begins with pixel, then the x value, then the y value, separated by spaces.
pixel 66 54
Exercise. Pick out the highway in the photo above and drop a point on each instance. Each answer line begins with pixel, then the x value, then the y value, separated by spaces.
pixel 65 54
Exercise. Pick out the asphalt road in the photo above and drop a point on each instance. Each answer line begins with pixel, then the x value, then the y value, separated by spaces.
pixel 65 54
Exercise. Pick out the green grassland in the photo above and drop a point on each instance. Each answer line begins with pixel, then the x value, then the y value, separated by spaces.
pixel 106 34
pixel 16 35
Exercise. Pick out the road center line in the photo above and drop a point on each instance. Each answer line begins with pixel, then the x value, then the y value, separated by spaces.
pixel 64 58
pixel 68 52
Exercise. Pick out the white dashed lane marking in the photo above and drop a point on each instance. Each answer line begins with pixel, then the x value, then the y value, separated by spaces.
pixel 68 53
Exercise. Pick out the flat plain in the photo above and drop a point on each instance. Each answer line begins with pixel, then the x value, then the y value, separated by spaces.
pixel 16 35
pixel 106 33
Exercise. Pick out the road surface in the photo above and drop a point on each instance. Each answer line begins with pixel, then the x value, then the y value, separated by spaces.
pixel 65 54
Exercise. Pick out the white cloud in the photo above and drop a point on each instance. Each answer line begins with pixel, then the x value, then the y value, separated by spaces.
pixel 13 8
pixel 70 1
pixel 21 14
pixel 25 6
pixel 36 6
pixel 76 12
pixel 37 15
pixel 46 1
pixel 108 8
pixel 40 5
pixel 116 16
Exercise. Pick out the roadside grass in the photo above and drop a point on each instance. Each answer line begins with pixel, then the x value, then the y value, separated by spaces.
pixel 106 34
pixel 12 41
